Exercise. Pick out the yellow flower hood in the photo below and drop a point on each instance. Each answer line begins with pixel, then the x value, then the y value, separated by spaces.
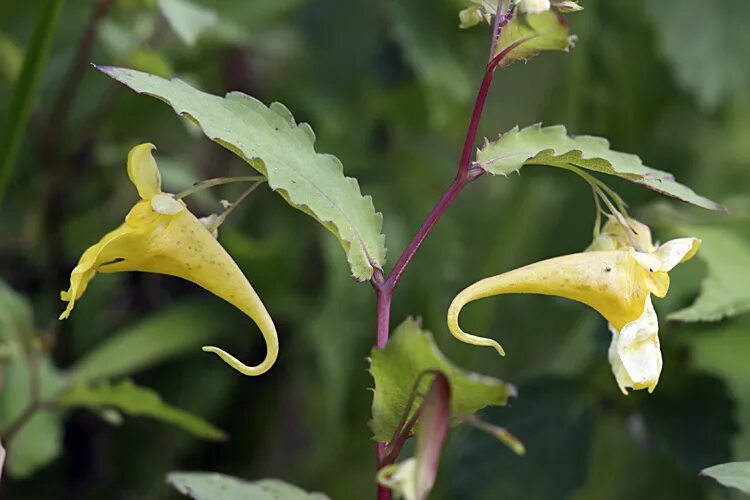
pixel 160 235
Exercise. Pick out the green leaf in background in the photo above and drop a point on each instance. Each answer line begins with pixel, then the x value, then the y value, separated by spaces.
pixel 709 61
pixel 409 352
pixel 214 486
pixel 160 336
pixel 271 142
pixel 554 418
pixel 418 30
pixel 13 128
pixel 40 440
pixel 188 19
pixel 623 465
pixel 552 146
pixel 11 59
pixel 16 319
pixel 680 410
pixel 733 475
pixel 726 290
pixel 722 352
pixel 545 31
pixel 137 401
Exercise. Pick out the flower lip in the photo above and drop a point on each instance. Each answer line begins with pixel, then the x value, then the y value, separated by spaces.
pixel 635 352
pixel 143 172
pixel 161 236
pixel 613 278
pixel 165 204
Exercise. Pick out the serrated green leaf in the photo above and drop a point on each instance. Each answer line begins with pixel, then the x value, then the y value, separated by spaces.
pixel 733 475
pixel 160 336
pixel 725 290
pixel 188 19
pixel 409 352
pixel 271 142
pixel 137 401
pixel 552 146
pixel 710 61
pixel 214 486
pixel 544 31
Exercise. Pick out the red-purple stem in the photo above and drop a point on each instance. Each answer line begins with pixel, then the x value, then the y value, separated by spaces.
pixel 384 286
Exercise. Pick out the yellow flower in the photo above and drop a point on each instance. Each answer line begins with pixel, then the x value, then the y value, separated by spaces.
pixel 160 235
pixel 613 278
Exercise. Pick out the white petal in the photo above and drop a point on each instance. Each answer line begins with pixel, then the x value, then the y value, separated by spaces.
pixel 639 351
pixel 618 369
pixel 673 252
pixel 165 204
pixel 647 261
pixel 209 221
pixel 534 6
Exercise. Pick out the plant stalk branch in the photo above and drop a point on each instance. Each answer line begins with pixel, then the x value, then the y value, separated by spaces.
pixel 385 286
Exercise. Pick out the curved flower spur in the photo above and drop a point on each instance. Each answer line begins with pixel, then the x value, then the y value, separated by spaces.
pixel 160 235
pixel 613 277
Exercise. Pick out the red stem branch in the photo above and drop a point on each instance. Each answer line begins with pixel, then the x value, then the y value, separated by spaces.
pixel 384 286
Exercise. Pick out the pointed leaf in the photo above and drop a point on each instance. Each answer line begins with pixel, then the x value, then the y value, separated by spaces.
pixel 395 369
pixel 271 142
pixel 732 474
pixel 137 401
pixel 725 291
pixel 537 145
pixel 544 31
pixel 214 486
pixel 189 20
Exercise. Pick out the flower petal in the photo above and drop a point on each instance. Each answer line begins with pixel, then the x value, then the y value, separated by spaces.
pixel 611 282
pixel 676 252
pixel 87 267
pixel 614 236
pixel 166 205
pixel 638 351
pixel 401 477
pixel 180 245
pixel 618 369
pixel 143 172
pixel 533 6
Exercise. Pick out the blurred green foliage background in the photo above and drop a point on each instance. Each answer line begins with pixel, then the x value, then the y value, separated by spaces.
pixel 388 88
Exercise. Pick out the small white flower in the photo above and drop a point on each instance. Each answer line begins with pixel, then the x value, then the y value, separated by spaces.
pixel 635 353
pixel 534 6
